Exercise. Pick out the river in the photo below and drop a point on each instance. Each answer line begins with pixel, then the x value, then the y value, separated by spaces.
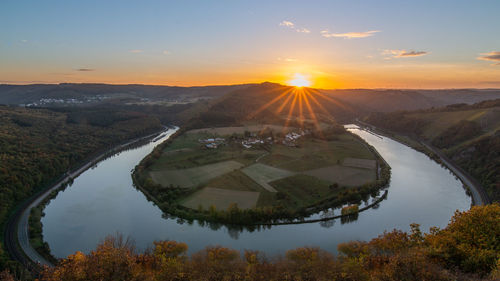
pixel 103 201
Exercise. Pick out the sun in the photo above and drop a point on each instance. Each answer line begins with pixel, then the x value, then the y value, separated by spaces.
pixel 299 80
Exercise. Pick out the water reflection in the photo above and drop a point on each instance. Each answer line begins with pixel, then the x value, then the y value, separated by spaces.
pixel 103 201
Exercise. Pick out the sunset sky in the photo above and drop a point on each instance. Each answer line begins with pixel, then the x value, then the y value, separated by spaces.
pixel 334 44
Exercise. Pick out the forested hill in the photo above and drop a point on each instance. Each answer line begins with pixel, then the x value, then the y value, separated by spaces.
pixel 39 145
pixel 393 99
pixel 73 93
pixel 468 134
pixel 273 103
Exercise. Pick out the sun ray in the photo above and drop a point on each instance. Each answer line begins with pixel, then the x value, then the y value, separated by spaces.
pixel 283 105
pixel 311 111
pixel 263 107
pixel 290 112
pixel 301 110
pixel 320 106
pixel 332 100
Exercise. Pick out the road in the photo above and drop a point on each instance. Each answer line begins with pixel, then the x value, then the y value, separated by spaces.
pixel 18 225
pixel 478 194
pixel 478 197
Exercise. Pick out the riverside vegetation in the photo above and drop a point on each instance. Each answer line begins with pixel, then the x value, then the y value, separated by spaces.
pixel 467 249
pixel 467 134
pixel 305 188
pixel 37 146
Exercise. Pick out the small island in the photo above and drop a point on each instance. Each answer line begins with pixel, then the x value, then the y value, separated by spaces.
pixel 260 174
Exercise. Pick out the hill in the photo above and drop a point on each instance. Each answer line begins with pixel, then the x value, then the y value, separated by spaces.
pixel 259 154
pixel 37 146
pixel 360 100
pixel 468 134
pixel 271 103
pixel 393 99
pixel 81 94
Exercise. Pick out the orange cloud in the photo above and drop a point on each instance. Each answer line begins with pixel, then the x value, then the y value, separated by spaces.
pixel 491 56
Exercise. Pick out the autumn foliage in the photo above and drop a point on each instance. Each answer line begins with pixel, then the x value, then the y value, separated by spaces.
pixel 467 249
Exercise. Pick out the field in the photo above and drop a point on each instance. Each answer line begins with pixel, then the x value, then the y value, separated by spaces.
pixel 193 177
pixel 314 153
pixel 359 163
pixel 221 198
pixel 223 131
pixel 263 174
pixel 345 176
pixel 303 190
pixel 252 177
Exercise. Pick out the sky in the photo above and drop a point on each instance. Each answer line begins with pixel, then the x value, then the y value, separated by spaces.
pixel 332 44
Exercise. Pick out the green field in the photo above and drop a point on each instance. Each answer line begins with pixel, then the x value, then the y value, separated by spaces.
pixel 263 174
pixel 345 176
pixel 302 190
pixel 315 153
pixel 221 199
pixel 192 177
pixel 252 177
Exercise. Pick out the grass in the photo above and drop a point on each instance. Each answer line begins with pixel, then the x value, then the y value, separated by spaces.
pixel 193 177
pixel 237 180
pixel 263 174
pixel 186 152
pixel 315 153
pixel 302 190
pixel 221 199
pixel 359 163
pixel 344 176
pixel 301 176
pixel 222 131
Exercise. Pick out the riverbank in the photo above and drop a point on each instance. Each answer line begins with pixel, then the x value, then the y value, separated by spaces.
pixel 475 189
pixel 17 230
pixel 169 198
pixel 103 201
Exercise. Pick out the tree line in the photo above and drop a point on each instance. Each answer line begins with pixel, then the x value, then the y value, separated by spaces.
pixel 467 249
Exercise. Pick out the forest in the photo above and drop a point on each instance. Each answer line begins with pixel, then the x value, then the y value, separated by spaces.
pixel 467 134
pixel 37 146
pixel 467 249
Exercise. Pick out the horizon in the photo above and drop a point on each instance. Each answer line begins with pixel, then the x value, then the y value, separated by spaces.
pixel 237 84
pixel 333 45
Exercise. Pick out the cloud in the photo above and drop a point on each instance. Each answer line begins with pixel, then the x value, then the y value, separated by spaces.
pixel 404 53
pixel 136 51
pixel 287 23
pixel 303 30
pixel 349 35
pixel 85 69
pixel 412 54
pixel 491 56
pixel 166 52
pixel 292 26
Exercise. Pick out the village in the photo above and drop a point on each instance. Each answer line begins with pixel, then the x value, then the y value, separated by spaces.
pixel 250 140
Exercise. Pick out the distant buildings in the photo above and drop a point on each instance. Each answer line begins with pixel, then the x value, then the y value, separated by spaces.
pixel 289 139
pixel 212 143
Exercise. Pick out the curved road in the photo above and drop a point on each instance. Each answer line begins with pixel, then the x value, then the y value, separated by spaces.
pixel 479 196
pixel 21 218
